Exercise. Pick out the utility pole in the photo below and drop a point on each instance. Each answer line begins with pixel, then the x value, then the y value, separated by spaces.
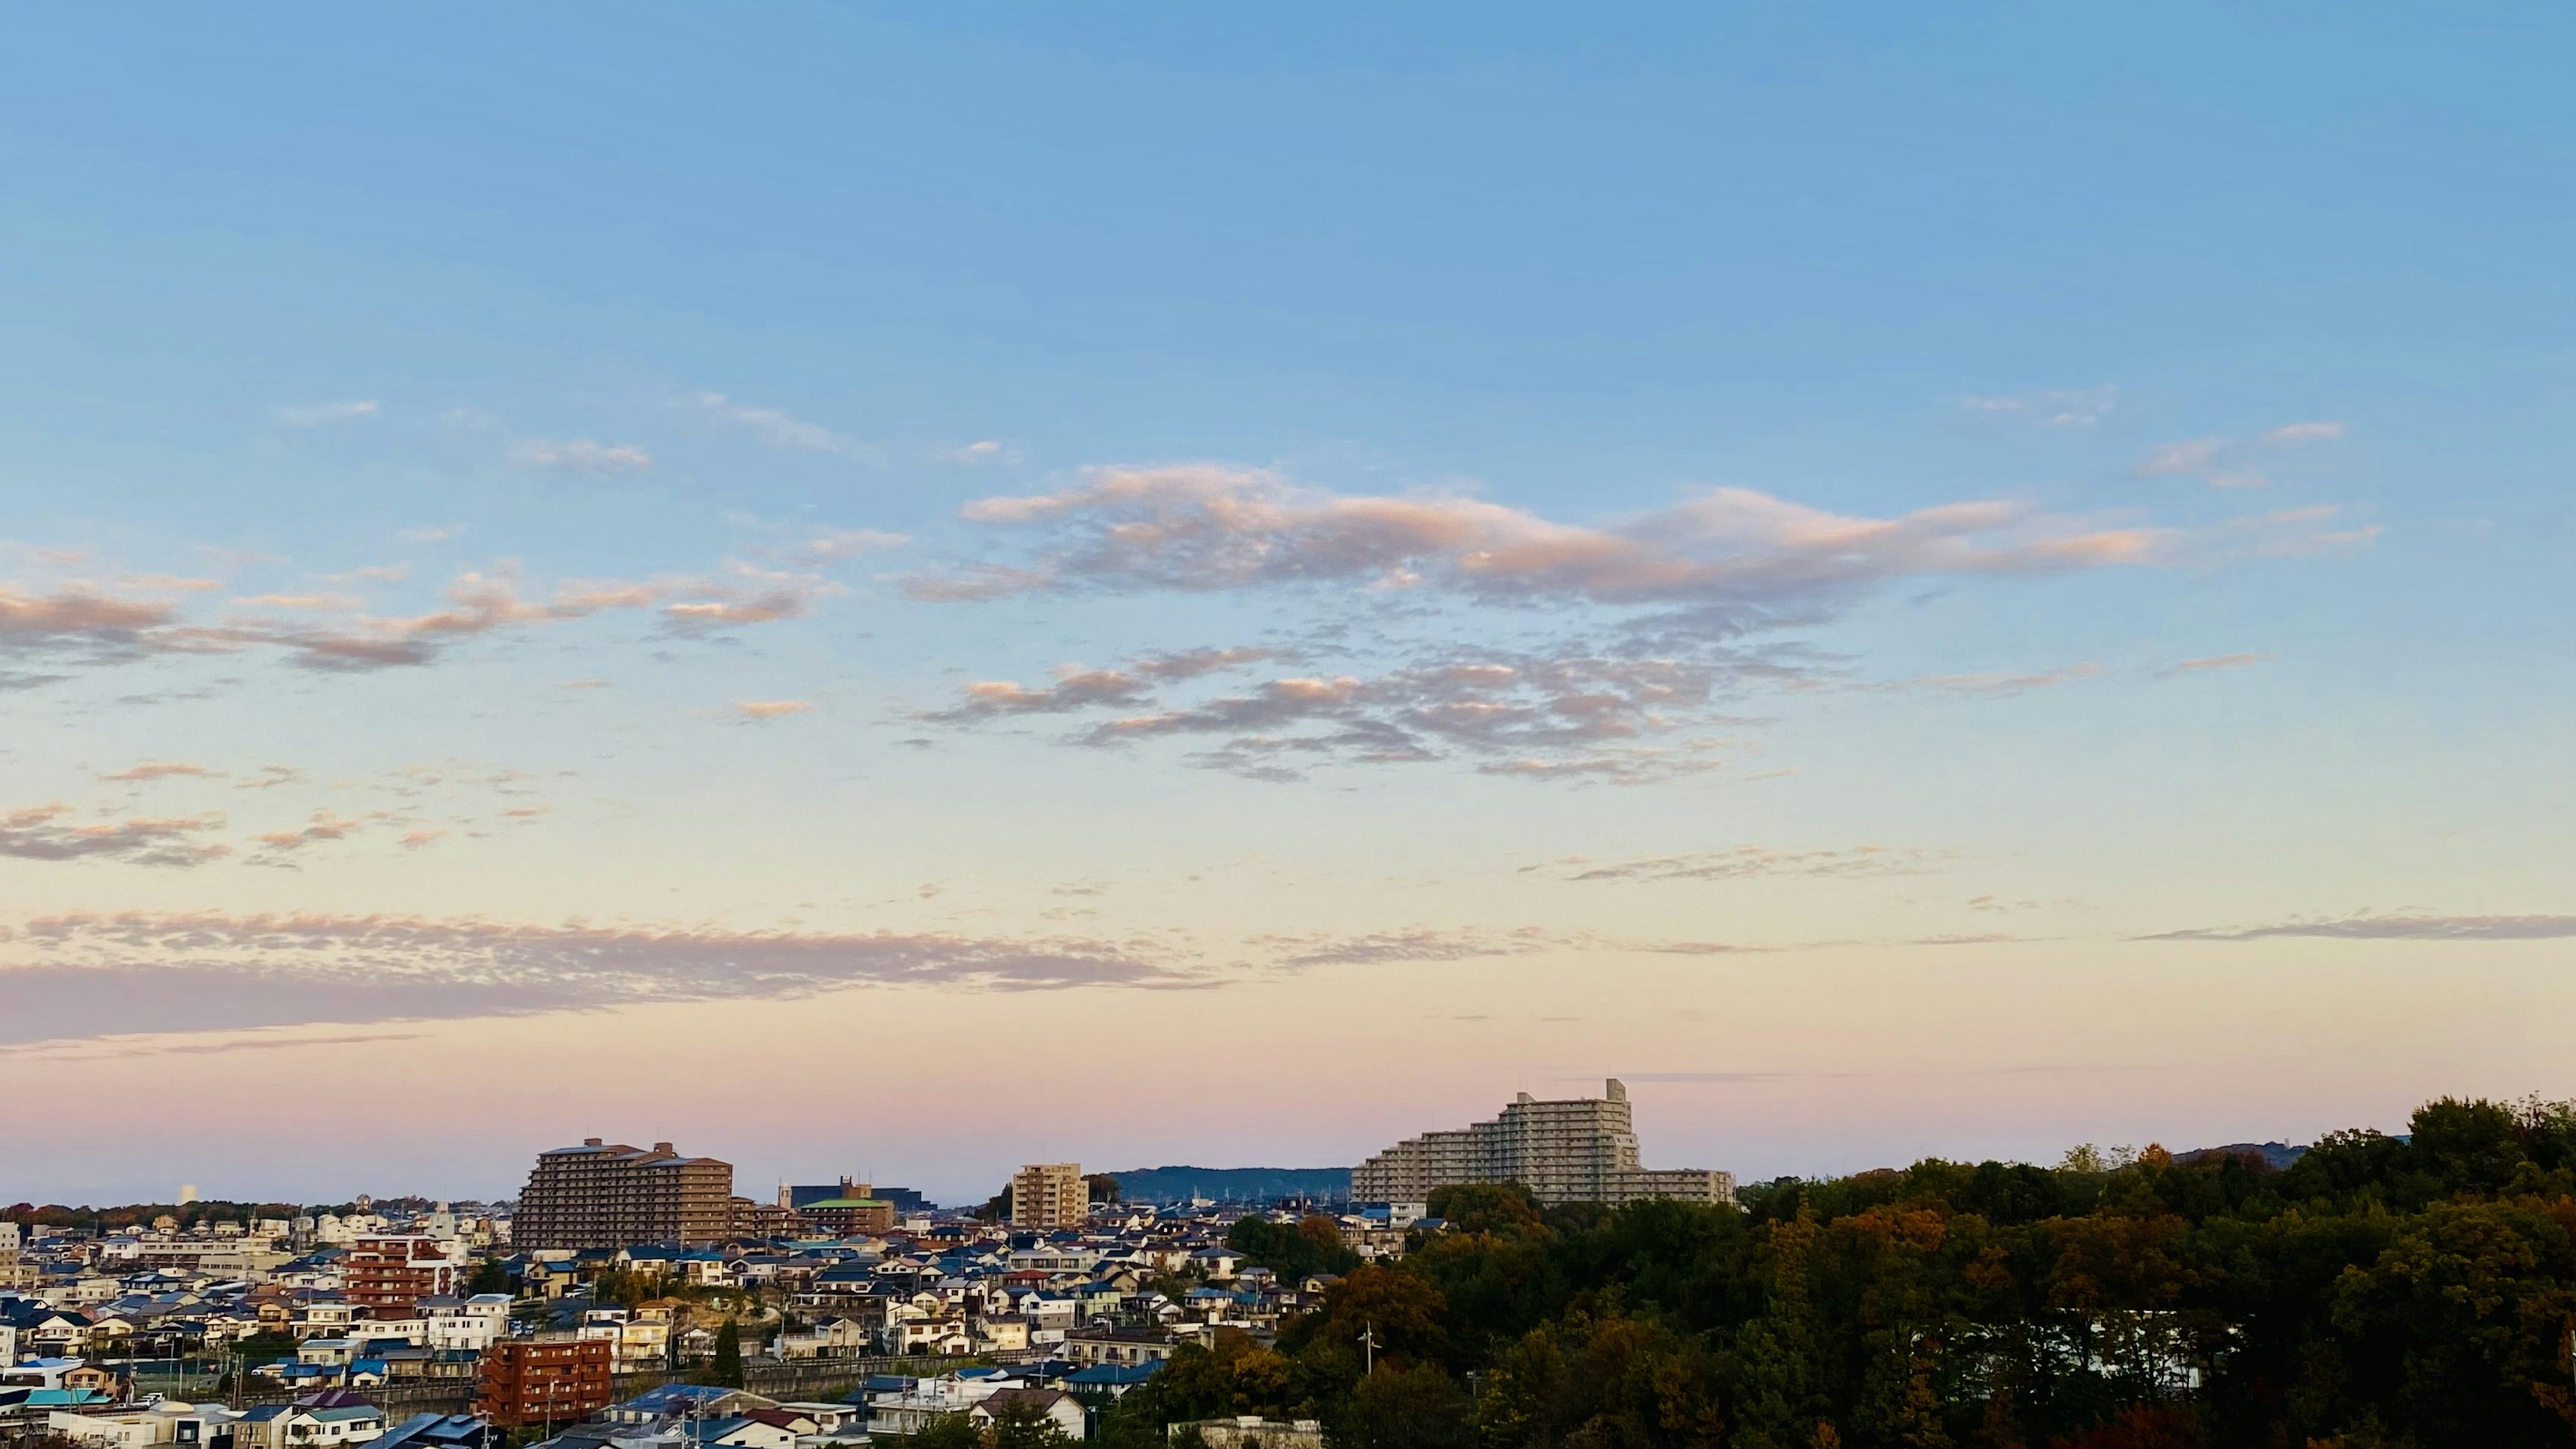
pixel 1368 1344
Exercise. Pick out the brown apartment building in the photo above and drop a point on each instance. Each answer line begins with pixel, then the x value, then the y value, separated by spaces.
pixel 603 1195
pixel 388 1276
pixel 524 1381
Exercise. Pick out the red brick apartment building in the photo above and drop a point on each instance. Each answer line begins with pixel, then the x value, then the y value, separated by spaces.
pixel 387 1277
pixel 527 1381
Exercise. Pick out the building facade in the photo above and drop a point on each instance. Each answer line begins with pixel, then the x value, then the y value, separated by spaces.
pixel 601 1195
pixel 387 1277
pixel 1584 1150
pixel 524 1381
pixel 850 1215
pixel 1047 1195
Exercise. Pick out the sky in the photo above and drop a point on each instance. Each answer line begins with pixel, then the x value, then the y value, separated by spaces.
pixel 904 589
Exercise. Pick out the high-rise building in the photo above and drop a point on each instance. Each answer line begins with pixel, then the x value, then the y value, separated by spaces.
pixel 601 1195
pixel 388 1276
pixel 1584 1150
pixel 1046 1195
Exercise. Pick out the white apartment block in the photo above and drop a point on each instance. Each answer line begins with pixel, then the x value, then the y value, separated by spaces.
pixel 1584 1150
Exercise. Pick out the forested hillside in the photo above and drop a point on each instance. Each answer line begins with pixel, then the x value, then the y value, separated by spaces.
pixel 2377 1292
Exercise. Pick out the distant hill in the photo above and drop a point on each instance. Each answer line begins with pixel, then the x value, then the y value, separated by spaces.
pixel 2278 1154
pixel 1232 1184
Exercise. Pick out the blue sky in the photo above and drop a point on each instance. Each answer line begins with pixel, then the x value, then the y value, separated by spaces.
pixel 1773 551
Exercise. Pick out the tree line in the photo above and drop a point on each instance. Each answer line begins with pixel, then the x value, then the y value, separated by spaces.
pixel 2381 1291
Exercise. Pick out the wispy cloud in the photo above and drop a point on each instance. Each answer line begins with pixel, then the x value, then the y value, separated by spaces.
pixel 839 545
pixel 2224 463
pixel 2060 408
pixel 1996 682
pixel 163 770
pixel 775 428
pixel 2399 927
pixel 1205 527
pixel 76 617
pixel 987 451
pixel 131 1047
pixel 583 455
pixel 300 601
pixel 1748 861
pixel 758 709
pixel 40 832
pixel 88 975
pixel 2214 661
pixel 1076 687
pixel 1418 943
pixel 314 415
pixel 324 826
pixel 2304 433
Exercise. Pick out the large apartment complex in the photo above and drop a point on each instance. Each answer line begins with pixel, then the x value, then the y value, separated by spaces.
pixel 1583 1150
pixel 602 1195
pixel 1049 1195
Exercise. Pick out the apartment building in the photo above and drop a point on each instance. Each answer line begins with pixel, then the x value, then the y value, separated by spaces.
pixel 387 1277
pixel 857 1210
pixel 524 1381
pixel 602 1195
pixel 1582 1150
pixel 1048 1195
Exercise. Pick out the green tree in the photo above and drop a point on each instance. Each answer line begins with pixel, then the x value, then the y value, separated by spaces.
pixel 948 1431
pixel 1024 1426
pixel 1408 1408
pixel 489 1277
pixel 726 1369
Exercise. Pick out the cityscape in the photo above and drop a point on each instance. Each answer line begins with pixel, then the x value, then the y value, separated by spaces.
pixel 897 724
pixel 629 1298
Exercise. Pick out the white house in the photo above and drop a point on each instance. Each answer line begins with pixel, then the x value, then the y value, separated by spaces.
pixel 1053 1405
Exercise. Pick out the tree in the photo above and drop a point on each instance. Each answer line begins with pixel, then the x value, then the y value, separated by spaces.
pixel 1104 1186
pixel 948 1431
pixel 489 1277
pixel 1024 1426
pixel 1293 1251
pixel 1408 1408
pixel 726 1370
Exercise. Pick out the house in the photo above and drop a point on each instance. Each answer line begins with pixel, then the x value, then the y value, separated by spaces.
pixel 323 1318
pixel 1118 1345
pixel 45 1330
pixel 294 1426
pixel 1053 1406
pixel 167 1422
pixel 738 1431
pixel 1001 1333
pixel 1109 1381
pixel 700 1401
pixel 466 1323
pixel 97 1377
pixel 439 1431
pixel 834 1337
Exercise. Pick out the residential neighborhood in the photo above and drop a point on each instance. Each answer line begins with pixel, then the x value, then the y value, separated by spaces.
pixel 629 1300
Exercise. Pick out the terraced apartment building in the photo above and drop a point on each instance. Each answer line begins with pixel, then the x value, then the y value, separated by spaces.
pixel 610 1195
pixel 1583 1150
